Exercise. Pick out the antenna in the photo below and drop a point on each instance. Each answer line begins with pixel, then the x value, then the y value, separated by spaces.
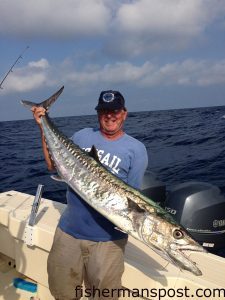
pixel 11 69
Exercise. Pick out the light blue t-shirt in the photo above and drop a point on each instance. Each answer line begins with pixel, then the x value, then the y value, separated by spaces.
pixel 125 157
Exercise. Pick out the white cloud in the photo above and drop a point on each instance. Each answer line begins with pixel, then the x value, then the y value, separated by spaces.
pixel 28 78
pixel 187 73
pixel 53 18
pixel 41 64
pixel 147 25
pixel 163 16
pixel 132 27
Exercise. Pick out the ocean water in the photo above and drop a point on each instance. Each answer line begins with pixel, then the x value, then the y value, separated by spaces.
pixel 183 145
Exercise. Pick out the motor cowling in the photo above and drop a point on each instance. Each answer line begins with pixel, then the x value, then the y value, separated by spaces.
pixel 153 188
pixel 200 208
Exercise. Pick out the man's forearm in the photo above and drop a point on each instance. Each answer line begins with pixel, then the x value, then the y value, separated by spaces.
pixel 49 162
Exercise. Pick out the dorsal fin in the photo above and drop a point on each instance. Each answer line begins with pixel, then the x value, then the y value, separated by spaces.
pixel 94 153
pixel 133 206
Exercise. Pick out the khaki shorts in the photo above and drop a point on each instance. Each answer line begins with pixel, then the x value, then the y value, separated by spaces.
pixel 99 264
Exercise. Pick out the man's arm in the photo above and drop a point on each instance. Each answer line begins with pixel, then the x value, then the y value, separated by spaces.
pixel 38 112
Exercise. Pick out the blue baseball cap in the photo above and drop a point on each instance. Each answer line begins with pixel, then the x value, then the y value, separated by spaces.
pixel 110 100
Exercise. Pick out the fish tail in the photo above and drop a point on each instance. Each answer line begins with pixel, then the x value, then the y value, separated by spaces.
pixel 46 103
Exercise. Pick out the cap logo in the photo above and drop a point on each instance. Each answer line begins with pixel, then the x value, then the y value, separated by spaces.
pixel 108 97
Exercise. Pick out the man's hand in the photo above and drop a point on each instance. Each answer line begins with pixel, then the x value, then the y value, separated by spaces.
pixel 38 112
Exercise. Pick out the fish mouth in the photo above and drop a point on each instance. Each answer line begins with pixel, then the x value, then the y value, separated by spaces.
pixel 182 259
pixel 195 248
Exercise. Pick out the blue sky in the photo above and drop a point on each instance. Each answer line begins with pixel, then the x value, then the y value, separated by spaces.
pixel 160 54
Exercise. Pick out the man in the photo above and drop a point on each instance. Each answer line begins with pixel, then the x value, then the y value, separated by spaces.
pixel 87 247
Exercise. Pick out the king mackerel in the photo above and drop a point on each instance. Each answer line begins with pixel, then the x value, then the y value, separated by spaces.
pixel 126 207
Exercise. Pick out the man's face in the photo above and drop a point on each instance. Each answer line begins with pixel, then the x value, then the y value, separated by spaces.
pixel 111 121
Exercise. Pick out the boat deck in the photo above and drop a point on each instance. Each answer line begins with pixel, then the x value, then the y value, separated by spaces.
pixel 144 269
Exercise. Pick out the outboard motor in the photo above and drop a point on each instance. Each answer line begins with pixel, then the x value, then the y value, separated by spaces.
pixel 200 208
pixel 153 188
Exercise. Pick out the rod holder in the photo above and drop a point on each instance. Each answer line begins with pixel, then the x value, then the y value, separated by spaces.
pixel 35 205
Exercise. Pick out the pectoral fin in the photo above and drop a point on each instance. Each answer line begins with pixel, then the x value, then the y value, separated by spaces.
pixel 57 178
pixel 117 228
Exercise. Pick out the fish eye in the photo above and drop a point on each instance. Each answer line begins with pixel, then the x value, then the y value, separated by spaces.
pixel 178 234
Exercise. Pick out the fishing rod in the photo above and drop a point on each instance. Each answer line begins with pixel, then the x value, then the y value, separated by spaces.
pixel 11 69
